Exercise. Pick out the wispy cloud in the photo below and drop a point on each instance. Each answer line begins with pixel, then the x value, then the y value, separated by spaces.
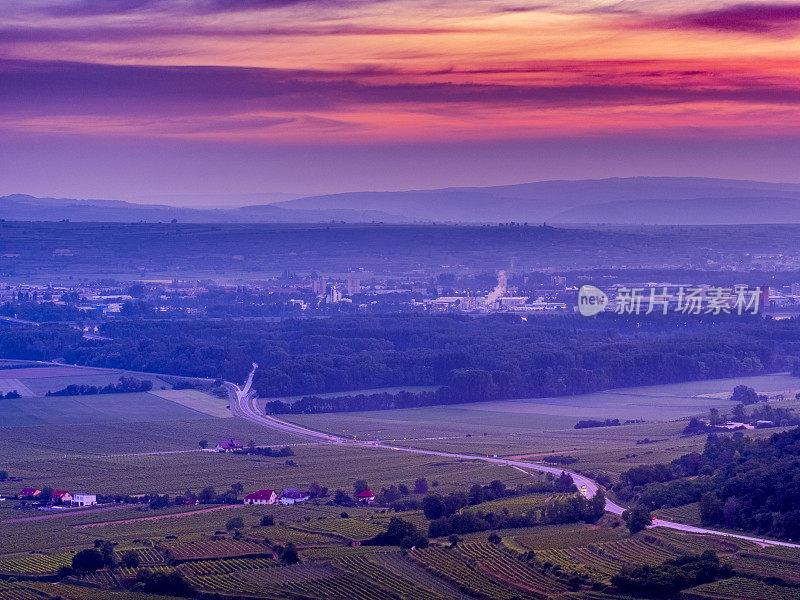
pixel 757 18
pixel 46 87
pixel 73 8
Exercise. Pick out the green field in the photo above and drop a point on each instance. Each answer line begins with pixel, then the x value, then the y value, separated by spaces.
pixel 94 409
pixel 331 466
pixel 538 426
pixel 197 400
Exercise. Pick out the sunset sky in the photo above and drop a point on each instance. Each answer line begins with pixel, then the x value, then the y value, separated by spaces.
pixel 130 98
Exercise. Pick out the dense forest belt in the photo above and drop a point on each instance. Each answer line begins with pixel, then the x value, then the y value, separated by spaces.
pixel 472 358
pixel 129 249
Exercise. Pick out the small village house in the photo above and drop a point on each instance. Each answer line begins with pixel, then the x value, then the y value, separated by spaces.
pixel 84 499
pixel 261 497
pixel 292 496
pixel 61 497
pixel 366 497
pixel 229 446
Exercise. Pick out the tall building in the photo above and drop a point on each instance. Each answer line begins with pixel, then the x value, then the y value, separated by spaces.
pixel 334 295
pixel 319 286
pixel 353 285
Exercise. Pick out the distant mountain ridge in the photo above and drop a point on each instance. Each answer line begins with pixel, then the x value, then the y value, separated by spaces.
pixel 21 207
pixel 634 200
pixel 623 201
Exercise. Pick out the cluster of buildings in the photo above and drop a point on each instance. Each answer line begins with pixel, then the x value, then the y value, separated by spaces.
pixel 60 497
pixel 291 496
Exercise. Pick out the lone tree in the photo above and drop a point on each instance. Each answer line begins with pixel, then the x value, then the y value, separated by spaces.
pixel 130 559
pixel 744 395
pixel 637 518
pixel 207 495
pixel 234 523
pixel 203 444
pixel 290 555
pixel 87 561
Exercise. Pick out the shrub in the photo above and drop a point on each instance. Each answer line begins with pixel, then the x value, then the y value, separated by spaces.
pixel 87 561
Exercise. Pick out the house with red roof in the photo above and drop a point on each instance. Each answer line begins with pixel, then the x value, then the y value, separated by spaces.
pixel 61 497
pixel 229 446
pixel 366 497
pixel 261 497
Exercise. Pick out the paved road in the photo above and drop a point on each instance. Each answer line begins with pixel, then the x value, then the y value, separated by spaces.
pixel 243 404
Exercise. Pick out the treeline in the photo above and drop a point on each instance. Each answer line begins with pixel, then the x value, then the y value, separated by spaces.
pixel 672 575
pixel 740 483
pixel 495 356
pixel 588 423
pixel 435 506
pixel 570 509
pixel 43 311
pixel 124 386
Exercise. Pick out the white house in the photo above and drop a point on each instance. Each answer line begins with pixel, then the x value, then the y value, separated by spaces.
pixel 292 496
pixel 261 497
pixel 84 499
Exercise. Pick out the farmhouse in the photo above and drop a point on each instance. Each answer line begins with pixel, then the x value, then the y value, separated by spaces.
pixel 366 497
pixel 229 446
pixel 261 497
pixel 30 493
pixel 61 497
pixel 84 500
pixel 292 496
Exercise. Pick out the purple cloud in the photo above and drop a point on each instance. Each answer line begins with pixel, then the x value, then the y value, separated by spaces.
pixel 101 7
pixel 769 18
pixel 110 7
pixel 63 88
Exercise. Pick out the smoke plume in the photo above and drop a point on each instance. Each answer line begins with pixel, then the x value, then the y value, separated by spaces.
pixel 499 289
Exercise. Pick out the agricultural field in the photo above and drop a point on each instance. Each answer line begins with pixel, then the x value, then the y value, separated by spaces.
pixel 93 409
pixel 651 403
pixel 348 529
pixel 37 380
pixel 738 588
pixel 564 536
pixel 215 561
pixel 208 549
pixel 545 425
pixel 197 400
pixel 688 514
pixel 175 472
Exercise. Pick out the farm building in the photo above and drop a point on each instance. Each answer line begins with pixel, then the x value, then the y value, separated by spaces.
pixel 292 496
pixel 366 497
pixel 84 500
pixel 61 497
pixel 229 446
pixel 261 497
pixel 30 493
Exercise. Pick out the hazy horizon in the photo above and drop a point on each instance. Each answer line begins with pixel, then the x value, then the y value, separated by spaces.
pixel 137 98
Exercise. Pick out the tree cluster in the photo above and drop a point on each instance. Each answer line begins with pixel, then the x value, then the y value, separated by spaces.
pixel 124 386
pixel 671 576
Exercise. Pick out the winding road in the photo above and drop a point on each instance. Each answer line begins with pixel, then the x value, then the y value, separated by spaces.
pixel 243 405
